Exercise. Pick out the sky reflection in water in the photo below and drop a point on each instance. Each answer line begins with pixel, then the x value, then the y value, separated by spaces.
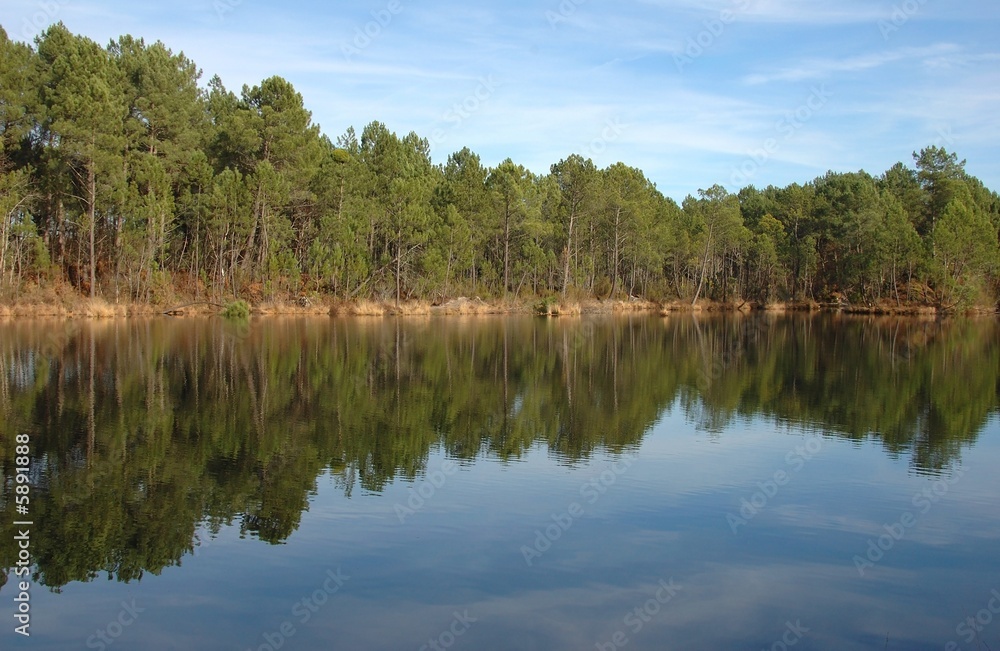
pixel 513 483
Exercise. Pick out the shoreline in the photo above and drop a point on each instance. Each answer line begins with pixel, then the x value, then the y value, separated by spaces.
pixel 98 308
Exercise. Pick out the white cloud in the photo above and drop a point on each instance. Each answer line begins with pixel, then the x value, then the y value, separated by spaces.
pixel 783 12
pixel 822 68
pixel 560 83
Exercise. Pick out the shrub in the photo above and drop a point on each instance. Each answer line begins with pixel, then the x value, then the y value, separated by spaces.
pixel 238 310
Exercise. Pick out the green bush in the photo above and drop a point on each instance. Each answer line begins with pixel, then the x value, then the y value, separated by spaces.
pixel 602 288
pixel 544 306
pixel 237 311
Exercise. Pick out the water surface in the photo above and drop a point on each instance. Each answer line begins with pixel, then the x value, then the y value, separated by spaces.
pixel 509 483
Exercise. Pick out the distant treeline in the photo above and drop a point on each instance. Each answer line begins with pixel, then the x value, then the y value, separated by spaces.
pixel 123 177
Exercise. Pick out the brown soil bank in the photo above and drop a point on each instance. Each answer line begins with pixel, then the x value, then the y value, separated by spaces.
pixel 477 306
pixel 72 305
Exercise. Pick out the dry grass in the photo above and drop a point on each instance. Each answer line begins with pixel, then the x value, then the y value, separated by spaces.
pixel 679 306
pixel 63 302
pixel 41 310
pixel 304 308
pixel 567 308
pixel 409 308
pixel 636 305
pixel 366 307
pixel 457 307
pixel 577 308
pixel 359 308
pixel 479 307
pixel 141 309
pixel 92 308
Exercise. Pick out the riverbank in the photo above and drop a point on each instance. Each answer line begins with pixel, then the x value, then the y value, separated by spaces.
pixel 73 305
pixel 99 308
pixel 461 306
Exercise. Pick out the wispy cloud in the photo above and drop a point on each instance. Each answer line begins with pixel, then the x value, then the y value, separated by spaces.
pixel 823 68
pixel 962 60
pixel 781 12
pixel 559 84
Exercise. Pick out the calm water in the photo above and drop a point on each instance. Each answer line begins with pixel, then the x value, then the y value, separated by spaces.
pixel 646 483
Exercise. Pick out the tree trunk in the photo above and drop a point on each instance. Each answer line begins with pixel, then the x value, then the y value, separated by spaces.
pixel 506 250
pixel 614 255
pixel 704 268
pixel 569 249
pixel 92 215
pixel 399 256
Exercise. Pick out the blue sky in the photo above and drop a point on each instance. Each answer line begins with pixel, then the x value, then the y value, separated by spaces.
pixel 694 92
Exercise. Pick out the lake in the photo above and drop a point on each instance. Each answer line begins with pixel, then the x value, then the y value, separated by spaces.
pixel 744 482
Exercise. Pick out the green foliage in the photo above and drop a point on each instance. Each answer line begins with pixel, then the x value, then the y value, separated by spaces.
pixel 545 306
pixel 238 310
pixel 965 250
pixel 129 174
